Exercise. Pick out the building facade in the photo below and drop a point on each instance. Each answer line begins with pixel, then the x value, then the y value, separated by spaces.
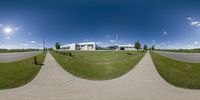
pixel 87 46
pixel 126 47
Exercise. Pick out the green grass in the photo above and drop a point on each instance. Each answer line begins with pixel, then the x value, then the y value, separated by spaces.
pixel 99 65
pixel 18 73
pixel 177 73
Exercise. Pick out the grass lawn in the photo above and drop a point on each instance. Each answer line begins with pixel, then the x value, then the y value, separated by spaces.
pixel 180 74
pixel 18 73
pixel 99 65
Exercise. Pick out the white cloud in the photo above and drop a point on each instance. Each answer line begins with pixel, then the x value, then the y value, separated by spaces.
pixel 102 44
pixel 107 36
pixel 1 25
pixel 120 41
pixel 29 33
pixel 196 42
pixel 107 44
pixel 153 42
pixel 163 43
pixel 40 44
pixel 189 18
pixel 24 45
pixel 4 46
pixel 166 45
pixel 99 43
pixel 177 43
pixel 19 46
pixel 85 40
pixel 16 28
pixel 112 41
pixel 194 22
pixel 8 38
pixel 32 41
pixel 165 33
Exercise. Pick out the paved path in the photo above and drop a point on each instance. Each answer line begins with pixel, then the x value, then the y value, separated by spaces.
pixel 186 57
pixel 9 57
pixel 141 83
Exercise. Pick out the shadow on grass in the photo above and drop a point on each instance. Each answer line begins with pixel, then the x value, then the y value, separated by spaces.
pixel 40 64
pixel 129 53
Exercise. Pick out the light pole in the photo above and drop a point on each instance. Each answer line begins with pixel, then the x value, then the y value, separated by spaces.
pixel 43 43
pixel 116 41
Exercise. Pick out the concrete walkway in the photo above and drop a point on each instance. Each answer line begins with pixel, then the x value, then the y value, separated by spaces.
pixel 141 83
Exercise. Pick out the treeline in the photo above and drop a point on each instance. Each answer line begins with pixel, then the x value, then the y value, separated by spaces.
pixel 138 46
pixel 17 50
pixel 196 50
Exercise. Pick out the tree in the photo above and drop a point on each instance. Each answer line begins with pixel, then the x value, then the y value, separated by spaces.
pixel 50 49
pixel 153 47
pixel 137 45
pixel 145 47
pixel 57 45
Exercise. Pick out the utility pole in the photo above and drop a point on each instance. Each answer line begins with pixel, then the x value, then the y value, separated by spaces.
pixel 116 41
pixel 43 43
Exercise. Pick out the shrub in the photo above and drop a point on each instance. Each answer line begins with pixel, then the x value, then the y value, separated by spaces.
pixel 66 53
pixel 70 54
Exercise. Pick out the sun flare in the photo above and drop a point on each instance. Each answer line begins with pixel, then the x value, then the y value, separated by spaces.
pixel 8 30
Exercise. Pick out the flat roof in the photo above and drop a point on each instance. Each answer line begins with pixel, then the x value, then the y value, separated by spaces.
pixel 85 43
pixel 82 43
pixel 129 45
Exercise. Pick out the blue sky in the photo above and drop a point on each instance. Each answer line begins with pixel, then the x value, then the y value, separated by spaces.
pixel 165 23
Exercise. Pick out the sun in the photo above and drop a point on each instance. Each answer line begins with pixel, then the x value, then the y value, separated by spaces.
pixel 8 30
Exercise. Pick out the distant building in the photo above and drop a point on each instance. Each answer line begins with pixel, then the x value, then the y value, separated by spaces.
pixel 126 47
pixel 80 46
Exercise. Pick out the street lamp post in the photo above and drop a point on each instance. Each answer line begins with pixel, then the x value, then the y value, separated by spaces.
pixel 43 43
pixel 116 41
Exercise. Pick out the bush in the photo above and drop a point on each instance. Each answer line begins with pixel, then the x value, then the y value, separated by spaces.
pixel 70 54
pixel 64 53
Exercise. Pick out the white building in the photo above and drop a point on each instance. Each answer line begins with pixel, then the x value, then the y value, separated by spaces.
pixel 80 46
pixel 126 47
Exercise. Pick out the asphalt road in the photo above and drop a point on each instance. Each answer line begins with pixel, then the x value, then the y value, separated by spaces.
pixel 186 57
pixel 10 57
